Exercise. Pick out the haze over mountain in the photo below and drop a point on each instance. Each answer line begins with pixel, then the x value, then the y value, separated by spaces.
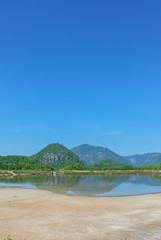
pixel 58 155
pixel 144 159
pixel 91 154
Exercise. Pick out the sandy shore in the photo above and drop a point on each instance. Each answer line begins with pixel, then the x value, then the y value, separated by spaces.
pixel 27 214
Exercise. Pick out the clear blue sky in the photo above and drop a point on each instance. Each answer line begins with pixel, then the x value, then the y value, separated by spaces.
pixel 80 71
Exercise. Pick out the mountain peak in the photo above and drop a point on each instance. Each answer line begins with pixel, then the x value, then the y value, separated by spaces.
pixel 57 154
pixel 93 154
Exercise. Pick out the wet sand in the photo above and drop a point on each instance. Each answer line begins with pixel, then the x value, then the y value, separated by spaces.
pixel 28 214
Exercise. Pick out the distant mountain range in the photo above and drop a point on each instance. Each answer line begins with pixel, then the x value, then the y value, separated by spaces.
pixel 59 156
pixel 91 154
pixel 144 159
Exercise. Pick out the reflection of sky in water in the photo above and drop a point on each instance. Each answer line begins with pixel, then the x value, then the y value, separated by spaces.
pixel 23 185
pixel 129 189
pixel 71 193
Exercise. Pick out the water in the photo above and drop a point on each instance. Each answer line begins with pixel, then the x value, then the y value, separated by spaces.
pixel 87 185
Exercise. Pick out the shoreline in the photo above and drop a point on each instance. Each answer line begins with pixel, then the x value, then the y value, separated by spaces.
pixel 111 172
pixel 12 174
pixel 6 173
pixel 38 214
pixel 78 196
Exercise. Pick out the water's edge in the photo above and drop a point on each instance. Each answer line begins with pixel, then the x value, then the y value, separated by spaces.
pixel 73 172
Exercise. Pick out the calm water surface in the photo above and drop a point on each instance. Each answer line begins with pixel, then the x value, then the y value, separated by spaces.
pixel 85 185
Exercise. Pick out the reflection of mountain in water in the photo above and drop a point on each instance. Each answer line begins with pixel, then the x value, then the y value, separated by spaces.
pixel 86 185
pixel 59 183
pixel 90 185
pixel 79 184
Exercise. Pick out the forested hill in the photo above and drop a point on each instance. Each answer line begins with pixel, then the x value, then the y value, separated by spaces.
pixel 58 155
pixel 91 154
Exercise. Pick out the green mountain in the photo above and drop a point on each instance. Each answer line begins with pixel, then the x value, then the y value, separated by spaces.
pixel 91 154
pixel 58 155
pixel 144 159
pixel 107 163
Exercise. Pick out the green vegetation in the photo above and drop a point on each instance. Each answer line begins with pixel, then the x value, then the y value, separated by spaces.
pixel 149 167
pixel 93 168
pixel 107 163
pixel 8 238
pixel 19 159
pixel 22 166
pixel 119 167
pixel 55 156
pixel 59 156
pixel 91 154
pixel 23 163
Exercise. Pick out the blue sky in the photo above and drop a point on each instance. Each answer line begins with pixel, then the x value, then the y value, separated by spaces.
pixel 79 72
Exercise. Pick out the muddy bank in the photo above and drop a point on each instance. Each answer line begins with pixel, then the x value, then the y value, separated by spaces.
pixel 27 214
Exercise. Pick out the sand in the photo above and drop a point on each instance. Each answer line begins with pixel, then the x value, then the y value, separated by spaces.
pixel 28 214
